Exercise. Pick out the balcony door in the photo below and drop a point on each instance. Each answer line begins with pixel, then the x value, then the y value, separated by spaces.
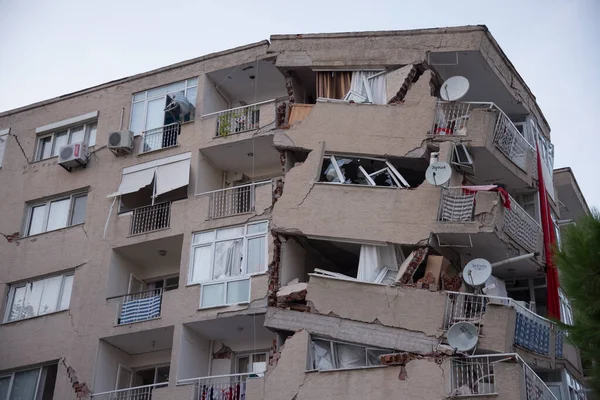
pixel 124 377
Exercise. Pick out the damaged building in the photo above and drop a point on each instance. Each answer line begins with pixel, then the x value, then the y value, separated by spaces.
pixel 258 224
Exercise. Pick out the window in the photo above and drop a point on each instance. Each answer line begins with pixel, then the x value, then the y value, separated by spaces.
pixel 361 171
pixel 49 145
pixel 39 297
pixel 222 260
pixel 327 355
pixel 529 202
pixel 461 158
pixel 169 283
pixel 556 229
pixel 56 214
pixel 251 363
pixel 356 86
pixel 148 107
pixel 31 384
pixel 3 139
pixel 566 313
pixel 576 389
pixel 151 376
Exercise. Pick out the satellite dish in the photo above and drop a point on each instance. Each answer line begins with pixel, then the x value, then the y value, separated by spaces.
pixel 438 173
pixel 477 272
pixel 454 88
pixel 463 336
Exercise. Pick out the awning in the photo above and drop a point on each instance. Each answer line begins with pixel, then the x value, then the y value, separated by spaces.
pixel 168 174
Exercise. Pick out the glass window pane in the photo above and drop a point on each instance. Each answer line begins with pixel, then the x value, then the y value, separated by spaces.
pixel 328 173
pixel 348 356
pixel 176 87
pixel 238 291
pixel 77 134
pixel 139 96
pixel 137 118
pixel 58 214
pixel 192 82
pixel 17 310
pixel 373 355
pixel 322 357
pixel 191 95
pixel 45 148
pixel 231 233
pixel 243 363
pixel 36 223
pixel 159 91
pixel 91 133
pixel 33 297
pixel 4 382
pixel 79 210
pixel 24 385
pixel 60 139
pixel 201 264
pixel 3 139
pixel 49 302
pixel 259 363
pixel 162 374
pixel 66 293
pixel 228 259
pixel 204 237
pixel 256 255
pixel 212 295
pixel 257 228
pixel 155 115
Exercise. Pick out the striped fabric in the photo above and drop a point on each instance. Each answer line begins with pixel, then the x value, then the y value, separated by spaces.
pixel 140 309
pixel 532 334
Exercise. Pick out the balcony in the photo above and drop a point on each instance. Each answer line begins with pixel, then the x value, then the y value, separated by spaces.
pixel 495 142
pixel 138 307
pixel 160 138
pixel 220 386
pixel 134 393
pixel 150 218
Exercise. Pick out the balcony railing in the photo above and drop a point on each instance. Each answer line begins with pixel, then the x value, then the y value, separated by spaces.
pixel 509 141
pixel 134 393
pixel 150 218
pixel 472 376
pixel 463 307
pixel 456 205
pixel 220 386
pixel 521 226
pixel 232 201
pixel 141 306
pixel 535 388
pixel 238 120
pixel 160 138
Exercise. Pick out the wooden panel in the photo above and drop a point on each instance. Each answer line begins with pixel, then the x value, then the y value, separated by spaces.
pixel 299 112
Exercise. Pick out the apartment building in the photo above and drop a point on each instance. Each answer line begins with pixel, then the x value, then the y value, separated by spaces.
pixel 257 224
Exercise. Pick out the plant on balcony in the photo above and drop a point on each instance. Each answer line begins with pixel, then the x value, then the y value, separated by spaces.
pixel 223 125
pixel 578 261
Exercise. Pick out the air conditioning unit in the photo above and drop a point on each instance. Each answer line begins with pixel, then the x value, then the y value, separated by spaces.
pixel 73 155
pixel 120 142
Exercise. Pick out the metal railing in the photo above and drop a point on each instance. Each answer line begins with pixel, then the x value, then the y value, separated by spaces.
pixel 150 218
pixel 463 307
pixel 160 138
pixel 237 120
pixel 472 376
pixel 456 205
pixel 219 387
pixel 134 393
pixel 535 388
pixel 451 118
pixel 521 226
pixel 141 306
pixel 509 141
pixel 231 201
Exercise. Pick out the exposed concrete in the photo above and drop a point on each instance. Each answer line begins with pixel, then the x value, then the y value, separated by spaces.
pixel 351 331
pixel 498 330
pixel 399 307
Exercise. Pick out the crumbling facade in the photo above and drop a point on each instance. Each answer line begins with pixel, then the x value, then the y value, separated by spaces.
pixel 257 224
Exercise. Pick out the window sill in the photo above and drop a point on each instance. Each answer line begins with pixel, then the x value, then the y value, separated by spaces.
pixel 35 317
pixel 236 278
pixel 158 150
pixel 55 230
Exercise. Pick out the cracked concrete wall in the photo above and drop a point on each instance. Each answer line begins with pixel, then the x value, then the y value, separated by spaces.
pixel 402 307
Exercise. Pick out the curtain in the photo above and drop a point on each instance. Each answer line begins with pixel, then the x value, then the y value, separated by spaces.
pixel 333 84
pixel 377 85
pixel 373 259
pixel 228 259
pixel 348 356
pixel 323 359
pixel 24 385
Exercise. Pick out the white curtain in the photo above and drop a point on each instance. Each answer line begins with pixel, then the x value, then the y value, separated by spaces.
pixel 348 356
pixel 322 357
pixel 377 85
pixel 373 259
pixel 228 259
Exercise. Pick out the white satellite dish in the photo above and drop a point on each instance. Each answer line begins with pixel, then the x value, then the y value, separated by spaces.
pixel 438 173
pixel 477 272
pixel 463 336
pixel 454 88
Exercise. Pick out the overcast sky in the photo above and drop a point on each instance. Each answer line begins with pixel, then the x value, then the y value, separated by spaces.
pixel 49 48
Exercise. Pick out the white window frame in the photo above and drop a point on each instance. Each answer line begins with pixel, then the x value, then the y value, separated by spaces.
pixel 575 388
pixel 251 362
pixel 47 203
pixel 37 385
pixel 164 281
pixel 463 165
pixel 61 293
pixel 226 283
pixel 3 142
pixel 332 344
pixel 143 97
pixel 566 312
pixel 155 368
pixel 86 138
pixel 391 170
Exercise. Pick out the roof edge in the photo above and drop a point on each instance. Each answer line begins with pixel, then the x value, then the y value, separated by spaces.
pixel 570 172
pixel 108 84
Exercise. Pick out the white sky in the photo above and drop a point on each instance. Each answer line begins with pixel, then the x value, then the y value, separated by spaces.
pixel 49 48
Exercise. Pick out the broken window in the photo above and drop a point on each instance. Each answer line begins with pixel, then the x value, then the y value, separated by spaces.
pixel 361 171
pixel 356 86
pixel 327 355
pixel 461 158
